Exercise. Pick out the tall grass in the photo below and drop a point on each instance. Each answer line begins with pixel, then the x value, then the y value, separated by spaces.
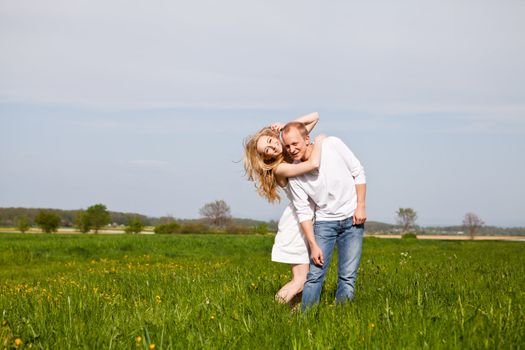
pixel 196 291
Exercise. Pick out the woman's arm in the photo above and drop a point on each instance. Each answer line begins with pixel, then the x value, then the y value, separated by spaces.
pixel 309 120
pixel 285 170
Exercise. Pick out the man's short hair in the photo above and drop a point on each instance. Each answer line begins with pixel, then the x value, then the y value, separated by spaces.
pixel 296 125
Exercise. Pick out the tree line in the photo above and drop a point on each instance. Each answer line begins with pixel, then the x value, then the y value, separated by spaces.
pixel 215 218
pixel 471 224
pixel 9 216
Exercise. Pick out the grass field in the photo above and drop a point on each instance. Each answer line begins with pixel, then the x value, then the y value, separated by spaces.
pixel 206 291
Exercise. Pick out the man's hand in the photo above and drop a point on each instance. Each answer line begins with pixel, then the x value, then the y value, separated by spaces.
pixel 359 215
pixel 317 255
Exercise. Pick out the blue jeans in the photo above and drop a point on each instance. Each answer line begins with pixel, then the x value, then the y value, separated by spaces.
pixel 349 239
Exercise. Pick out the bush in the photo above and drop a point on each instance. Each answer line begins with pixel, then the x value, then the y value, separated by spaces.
pixel 261 229
pixel 135 226
pixel 23 224
pixel 47 221
pixel 238 229
pixel 409 235
pixel 98 216
pixel 170 228
pixel 194 228
pixel 82 222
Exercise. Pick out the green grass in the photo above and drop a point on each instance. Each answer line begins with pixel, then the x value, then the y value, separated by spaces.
pixel 216 291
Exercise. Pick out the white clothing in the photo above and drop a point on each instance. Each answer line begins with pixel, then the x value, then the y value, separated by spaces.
pixel 290 245
pixel 331 190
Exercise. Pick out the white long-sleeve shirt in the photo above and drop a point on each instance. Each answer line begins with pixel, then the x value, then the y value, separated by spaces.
pixel 332 188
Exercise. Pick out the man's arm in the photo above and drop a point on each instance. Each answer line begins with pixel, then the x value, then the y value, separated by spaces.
pixel 358 172
pixel 360 210
pixel 316 254
pixel 352 163
pixel 300 201
pixel 305 214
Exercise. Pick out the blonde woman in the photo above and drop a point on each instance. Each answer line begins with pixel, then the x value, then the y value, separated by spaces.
pixel 269 167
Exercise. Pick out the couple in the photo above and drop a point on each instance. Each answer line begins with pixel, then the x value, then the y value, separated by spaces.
pixel 324 181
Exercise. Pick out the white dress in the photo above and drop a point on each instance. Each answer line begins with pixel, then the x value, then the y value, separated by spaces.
pixel 290 245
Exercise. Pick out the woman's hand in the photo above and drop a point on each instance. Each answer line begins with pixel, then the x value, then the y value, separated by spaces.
pixel 320 138
pixel 277 127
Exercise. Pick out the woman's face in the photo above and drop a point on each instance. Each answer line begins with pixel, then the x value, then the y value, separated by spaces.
pixel 269 147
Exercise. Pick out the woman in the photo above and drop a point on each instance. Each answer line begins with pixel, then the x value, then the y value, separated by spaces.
pixel 268 166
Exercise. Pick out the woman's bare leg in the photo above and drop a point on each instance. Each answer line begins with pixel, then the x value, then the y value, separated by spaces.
pixel 295 286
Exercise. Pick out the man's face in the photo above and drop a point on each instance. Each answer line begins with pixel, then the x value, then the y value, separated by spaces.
pixel 296 144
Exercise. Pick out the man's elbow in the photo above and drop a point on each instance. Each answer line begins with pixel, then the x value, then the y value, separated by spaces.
pixel 360 177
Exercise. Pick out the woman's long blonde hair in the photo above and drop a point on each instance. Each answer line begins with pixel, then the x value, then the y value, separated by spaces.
pixel 260 170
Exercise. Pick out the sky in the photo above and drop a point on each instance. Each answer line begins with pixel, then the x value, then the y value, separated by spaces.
pixel 144 105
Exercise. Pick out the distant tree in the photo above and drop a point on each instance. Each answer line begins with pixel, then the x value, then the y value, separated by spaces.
pixel 472 223
pixel 47 221
pixel 134 226
pixel 98 216
pixel 22 224
pixel 217 212
pixel 406 217
pixel 82 222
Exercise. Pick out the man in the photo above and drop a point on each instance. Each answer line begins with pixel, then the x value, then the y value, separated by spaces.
pixel 338 193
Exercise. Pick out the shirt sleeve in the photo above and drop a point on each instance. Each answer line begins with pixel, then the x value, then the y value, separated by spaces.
pixel 300 201
pixel 352 163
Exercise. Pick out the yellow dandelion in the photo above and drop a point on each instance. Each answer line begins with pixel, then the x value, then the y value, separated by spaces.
pixel 18 342
pixel 212 317
pixel 138 338
pixel 157 299
pixel 151 346
pixel 371 325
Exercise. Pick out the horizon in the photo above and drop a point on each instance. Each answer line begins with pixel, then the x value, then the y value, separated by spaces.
pixel 253 219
